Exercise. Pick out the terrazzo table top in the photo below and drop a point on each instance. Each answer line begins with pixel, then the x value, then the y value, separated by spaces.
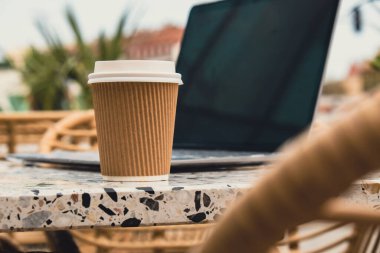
pixel 33 198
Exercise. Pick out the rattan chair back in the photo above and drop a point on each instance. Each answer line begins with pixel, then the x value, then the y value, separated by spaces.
pixel 310 173
pixel 76 132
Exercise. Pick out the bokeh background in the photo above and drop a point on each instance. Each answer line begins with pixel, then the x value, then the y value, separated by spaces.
pixel 48 47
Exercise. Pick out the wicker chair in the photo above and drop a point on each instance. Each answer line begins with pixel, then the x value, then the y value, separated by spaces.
pixel 8 245
pixel 302 188
pixel 26 127
pixel 353 230
pixel 175 238
pixel 77 132
pixel 56 242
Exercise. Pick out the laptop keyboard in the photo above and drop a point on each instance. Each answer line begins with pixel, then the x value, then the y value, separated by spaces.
pixel 182 154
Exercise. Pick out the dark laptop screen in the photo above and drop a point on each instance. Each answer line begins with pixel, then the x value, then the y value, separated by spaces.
pixel 251 72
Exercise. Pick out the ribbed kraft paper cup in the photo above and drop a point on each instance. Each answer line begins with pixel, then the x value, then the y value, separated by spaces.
pixel 135 103
pixel 135 127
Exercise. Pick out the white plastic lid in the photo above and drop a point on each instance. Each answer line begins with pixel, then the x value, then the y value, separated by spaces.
pixel 134 71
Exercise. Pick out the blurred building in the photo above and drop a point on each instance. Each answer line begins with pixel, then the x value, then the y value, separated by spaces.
pixel 163 44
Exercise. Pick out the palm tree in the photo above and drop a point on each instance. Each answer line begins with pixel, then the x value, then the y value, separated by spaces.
pixel 46 78
pixel 48 72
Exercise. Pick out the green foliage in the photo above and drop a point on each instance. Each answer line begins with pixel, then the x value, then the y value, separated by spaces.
pixel 47 72
pixel 46 77
pixel 376 63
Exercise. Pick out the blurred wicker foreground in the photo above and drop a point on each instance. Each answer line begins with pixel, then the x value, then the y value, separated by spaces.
pixel 26 127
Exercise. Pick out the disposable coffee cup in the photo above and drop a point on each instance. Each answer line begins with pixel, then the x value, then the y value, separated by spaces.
pixel 135 106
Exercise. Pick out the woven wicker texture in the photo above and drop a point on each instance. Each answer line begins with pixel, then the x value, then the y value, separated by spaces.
pixel 311 172
pixel 76 132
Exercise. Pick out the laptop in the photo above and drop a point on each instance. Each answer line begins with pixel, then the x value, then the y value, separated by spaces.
pixel 252 71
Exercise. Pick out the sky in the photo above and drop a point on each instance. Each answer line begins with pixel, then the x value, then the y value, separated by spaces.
pixel 18 30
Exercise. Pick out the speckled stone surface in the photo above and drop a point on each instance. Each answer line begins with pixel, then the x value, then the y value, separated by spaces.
pixel 34 198
pixel 366 191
